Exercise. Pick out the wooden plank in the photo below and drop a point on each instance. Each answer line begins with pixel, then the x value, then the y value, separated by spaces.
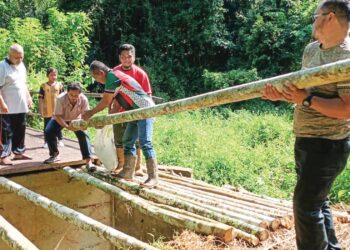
pixel 70 155
pixel 14 238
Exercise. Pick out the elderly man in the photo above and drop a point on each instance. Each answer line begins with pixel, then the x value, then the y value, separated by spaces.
pixel 14 102
pixel 322 128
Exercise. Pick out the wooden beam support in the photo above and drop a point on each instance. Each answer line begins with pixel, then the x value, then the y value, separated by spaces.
pixel 220 230
pixel 14 238
pixel 115 237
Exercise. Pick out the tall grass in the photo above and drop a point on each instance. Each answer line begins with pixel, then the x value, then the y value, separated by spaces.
pixel 237 148
pixel 245 147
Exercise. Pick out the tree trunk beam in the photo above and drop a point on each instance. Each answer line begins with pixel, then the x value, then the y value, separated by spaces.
pixel 220 230
pixel 325 74
pixel 14 238
pixel 251 239
pixel 84 222
pixel 233 195
pixel 270 203
pixel 217 206
pixel 288 204
pixel 248 206
pixel 193 207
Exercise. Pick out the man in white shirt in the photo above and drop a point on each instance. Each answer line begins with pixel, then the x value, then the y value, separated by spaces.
pixel 14 102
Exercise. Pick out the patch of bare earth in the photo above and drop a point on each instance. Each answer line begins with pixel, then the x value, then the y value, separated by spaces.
pixel 283 239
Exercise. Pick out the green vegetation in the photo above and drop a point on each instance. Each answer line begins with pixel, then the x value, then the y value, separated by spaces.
pixel 254 150
pixel 61 43
pixel 187 47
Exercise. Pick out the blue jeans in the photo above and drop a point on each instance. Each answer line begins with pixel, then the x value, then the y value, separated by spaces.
pixel 143 130
pixel 52 131
pixel 46 121
pixel 318 163
pixel 13 134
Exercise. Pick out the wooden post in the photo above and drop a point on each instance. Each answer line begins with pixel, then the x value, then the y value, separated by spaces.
pixel 14 238
pixel 115 237
pixel 325 74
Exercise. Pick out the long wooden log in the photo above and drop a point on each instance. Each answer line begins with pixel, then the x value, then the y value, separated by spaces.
pixel 233 195
pixel 114 236
pixel 217 229
pixel 282 205
pixel 237 205
pixel 195 207
pixel 325 74
pixel 168 199
pixel 284 217
pixel 251 239
pixel 215 205
pixel 286 203
pixel 14 238
pixel 262 208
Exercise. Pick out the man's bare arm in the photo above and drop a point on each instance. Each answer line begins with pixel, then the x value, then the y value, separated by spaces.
pixel 104 103
pixel 61 121
pixel 3 106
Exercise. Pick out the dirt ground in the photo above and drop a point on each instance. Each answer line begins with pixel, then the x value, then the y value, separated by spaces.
pixel 282 239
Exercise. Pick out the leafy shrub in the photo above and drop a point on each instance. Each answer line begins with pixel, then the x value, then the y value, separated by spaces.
pixel 219 80
pixel 62 44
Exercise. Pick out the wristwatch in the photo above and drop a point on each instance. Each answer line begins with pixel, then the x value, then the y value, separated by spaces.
pixel 307 101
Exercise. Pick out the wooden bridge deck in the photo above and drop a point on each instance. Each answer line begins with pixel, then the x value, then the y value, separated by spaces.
pixel 70 155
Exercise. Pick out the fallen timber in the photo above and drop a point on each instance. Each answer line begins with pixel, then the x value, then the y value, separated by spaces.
pixel 14 238
pixel 192 207
pixel 220 230
pixel 264 207
pixel 261 220
pixel 114 236
pixel 325 74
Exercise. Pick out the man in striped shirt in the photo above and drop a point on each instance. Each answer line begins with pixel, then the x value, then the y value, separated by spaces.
pixel 130 95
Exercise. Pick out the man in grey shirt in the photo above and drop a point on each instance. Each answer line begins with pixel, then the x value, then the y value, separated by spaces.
pixel 322 128
pixel 14 102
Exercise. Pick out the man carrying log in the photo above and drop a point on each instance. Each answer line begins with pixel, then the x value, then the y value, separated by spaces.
pixel 130 95
pixel 322 128
pixel 127 56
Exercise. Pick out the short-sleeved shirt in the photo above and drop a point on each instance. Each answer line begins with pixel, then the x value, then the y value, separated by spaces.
pixel 127 91
pixel 309 122
pixel 139 75
pixel 69 112
pixel 48 94
pixel 13 87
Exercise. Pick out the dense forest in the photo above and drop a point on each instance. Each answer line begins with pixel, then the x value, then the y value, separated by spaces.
pixel 181 44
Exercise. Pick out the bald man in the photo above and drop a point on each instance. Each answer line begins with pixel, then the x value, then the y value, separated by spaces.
pixel 15 101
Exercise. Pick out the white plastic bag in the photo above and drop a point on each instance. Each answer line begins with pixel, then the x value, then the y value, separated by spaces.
pixel 104 147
